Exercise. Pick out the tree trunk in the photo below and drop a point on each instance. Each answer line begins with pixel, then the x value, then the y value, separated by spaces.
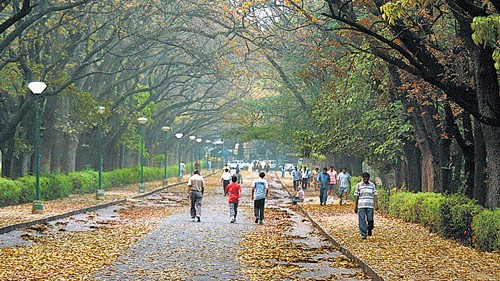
pixel 414 165
pixel 456 159
pixel 400 174
pixel 488 101
pixel 480 186
pixel 469 156
pixel 356 164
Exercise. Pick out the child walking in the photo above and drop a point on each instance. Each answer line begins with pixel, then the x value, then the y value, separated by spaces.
pixel 234 192
pixel 260 188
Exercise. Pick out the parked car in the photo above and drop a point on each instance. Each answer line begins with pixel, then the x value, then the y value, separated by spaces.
pixel 242 165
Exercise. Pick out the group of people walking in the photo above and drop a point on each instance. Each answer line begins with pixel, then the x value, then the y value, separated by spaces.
pixel 328 181
pixel 231 184
pixel 365 194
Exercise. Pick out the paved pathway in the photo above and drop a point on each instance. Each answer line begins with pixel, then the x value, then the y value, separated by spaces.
pixel 183 250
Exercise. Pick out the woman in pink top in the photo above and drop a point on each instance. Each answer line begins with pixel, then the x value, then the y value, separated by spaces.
pixel 234 191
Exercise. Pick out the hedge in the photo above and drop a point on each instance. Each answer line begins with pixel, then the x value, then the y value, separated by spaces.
pixel 451 216
pixel 22 190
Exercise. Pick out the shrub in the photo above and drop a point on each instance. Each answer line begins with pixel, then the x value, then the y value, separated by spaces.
pixel 27 185
pixel 430 210
pixel 55 186
pixel 83 182
pixel 10 192
pixel 457 212
pixel 486 227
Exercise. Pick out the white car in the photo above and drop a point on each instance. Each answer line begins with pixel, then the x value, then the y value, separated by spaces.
pixel 238 164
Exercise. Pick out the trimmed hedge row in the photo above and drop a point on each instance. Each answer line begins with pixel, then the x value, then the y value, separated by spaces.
pixel 451 216
pixel 22 190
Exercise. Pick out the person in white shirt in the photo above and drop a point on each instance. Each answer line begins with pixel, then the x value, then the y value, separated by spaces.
pixel 366 201
pixel 225 179
pixel 344 182
pixel 196 188
pixel 260 189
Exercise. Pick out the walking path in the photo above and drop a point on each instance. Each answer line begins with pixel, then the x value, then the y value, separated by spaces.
pixel 399 250
pixel 152 238
pixel 183 250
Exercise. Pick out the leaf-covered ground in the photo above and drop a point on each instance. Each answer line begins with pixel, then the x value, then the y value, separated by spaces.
pixel 55 254
pixel 22 213
pixel 402 251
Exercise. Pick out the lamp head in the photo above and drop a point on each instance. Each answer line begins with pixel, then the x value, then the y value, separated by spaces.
pixel 208 141
pixel 100 109
pixel 192 138
pixel 142 120
pixel 179 135
pixel 165 128
pixel 198 140
pixel 37 87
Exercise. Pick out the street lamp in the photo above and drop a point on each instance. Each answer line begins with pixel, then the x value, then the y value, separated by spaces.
pixel 179 136
pixel 142 121
pixel 192 138
pixel 165 129
pixel 220 142
pixel 37 88
pixel 198 140
pixel 100 191
pixel 207 153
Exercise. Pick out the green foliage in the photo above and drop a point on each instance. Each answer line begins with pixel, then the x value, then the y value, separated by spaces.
pixel 454 216
pixel 27 189
pixel 9 192
pixel 55 186
pixel 22 190
pixel 457 212
pixel 486 227
pixel 487 32
pixel 83 182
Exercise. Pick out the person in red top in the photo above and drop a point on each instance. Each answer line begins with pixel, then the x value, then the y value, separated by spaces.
pixel 234 191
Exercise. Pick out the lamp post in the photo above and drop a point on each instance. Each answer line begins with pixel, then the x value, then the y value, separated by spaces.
pixel 179 136
pixel 208 155
pixel 37 88
pixel 198 140
pixel 142 122
pixel 100 191
pixel 217 143
pixel 165 129
pixel 192 138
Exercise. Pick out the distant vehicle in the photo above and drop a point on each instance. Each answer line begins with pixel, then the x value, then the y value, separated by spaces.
pixel 242 165
pixel 289 166
pixel 272 164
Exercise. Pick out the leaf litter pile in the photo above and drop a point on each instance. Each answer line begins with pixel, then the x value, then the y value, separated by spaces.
pixel 22 213
pixel 76 255
pixel 403 251
pixel 270 252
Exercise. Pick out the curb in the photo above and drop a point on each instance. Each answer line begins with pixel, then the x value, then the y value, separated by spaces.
pixel 12 227
pixel 365 267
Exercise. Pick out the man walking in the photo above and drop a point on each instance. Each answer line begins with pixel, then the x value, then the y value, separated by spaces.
pixel 323 180
pixel 333 183
pixel 225 179
pixel 182 167
pixel 296 178
pixel 366 201
pixel 260 189
pixel 344 181
pixel 196 188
